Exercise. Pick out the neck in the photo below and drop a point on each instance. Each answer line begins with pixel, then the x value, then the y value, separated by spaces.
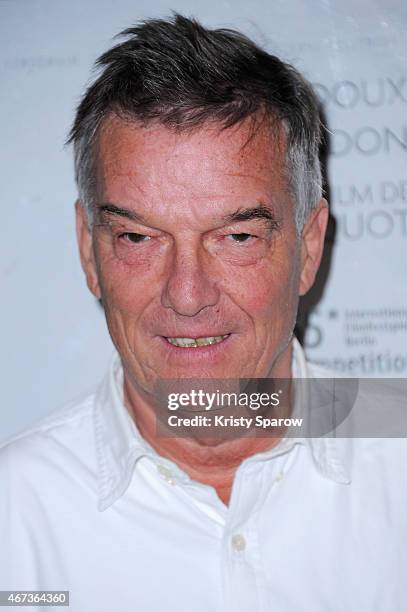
pixel 211 461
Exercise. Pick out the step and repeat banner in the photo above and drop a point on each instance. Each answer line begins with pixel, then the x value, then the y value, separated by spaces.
pixel 359 325
pixel 54 341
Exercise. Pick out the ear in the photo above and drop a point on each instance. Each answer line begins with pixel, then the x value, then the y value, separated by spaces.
pixel 312 245
pixel 85 244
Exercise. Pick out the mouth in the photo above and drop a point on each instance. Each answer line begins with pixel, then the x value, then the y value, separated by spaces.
pixel 196 342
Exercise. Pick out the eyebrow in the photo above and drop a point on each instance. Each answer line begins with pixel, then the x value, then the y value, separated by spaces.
pixel 255 212
pixel 112 209
pixel 242 214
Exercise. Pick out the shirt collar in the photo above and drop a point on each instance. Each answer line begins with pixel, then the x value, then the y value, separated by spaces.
pixel 331 455
pixel 119 444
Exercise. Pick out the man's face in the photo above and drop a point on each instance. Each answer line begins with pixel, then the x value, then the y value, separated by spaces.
pixel 194 252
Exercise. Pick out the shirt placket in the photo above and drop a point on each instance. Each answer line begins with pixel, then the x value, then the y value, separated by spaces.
pixel 244 578
pixel 241 568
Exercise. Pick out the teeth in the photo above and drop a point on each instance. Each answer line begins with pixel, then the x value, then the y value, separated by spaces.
pixel 194 342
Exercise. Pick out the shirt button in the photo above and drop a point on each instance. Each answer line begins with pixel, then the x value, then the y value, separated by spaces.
pixel 166 473
pixel 238 542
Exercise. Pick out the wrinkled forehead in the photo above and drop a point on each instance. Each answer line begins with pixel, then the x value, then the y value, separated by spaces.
pixel 156 157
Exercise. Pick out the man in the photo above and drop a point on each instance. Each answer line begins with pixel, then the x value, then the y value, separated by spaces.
pixel 200 222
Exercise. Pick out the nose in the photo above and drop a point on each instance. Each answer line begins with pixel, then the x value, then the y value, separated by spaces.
pixel 190 285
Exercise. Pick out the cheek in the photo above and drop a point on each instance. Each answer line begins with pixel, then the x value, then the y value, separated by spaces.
pixel 123 288
pixel 269 289
pixel 124 284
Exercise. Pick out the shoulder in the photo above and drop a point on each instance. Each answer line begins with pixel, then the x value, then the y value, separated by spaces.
pixel 65 435
pixel 48 474
pixel 370 422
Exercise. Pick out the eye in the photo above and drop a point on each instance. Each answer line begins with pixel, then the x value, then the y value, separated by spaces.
pixel 133 237
pixel 240 237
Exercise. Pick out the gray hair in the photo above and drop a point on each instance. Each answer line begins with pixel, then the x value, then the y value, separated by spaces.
pixel 183 75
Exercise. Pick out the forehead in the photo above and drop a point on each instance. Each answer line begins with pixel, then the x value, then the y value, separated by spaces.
pixel 158 161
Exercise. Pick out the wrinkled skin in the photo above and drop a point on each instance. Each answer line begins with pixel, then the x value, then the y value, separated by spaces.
pixel 186 269
pixel 205 245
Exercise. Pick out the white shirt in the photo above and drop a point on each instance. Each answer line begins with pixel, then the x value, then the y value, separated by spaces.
pixel 315 525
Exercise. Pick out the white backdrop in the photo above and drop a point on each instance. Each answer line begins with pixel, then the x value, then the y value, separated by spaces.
pixel 54 342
